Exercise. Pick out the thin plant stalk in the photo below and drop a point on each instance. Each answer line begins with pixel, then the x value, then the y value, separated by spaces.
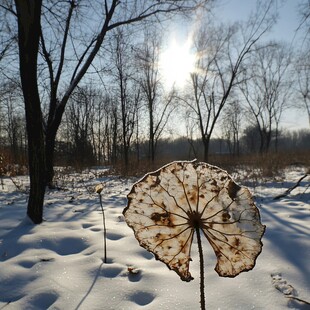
pixel 104 231
pixel 202 277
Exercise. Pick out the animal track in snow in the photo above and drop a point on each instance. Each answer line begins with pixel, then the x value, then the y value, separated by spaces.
pixel 29 263
pixel 281 285
pixel 91 227
pixel 65 246
pixel 142 298
pixel 289 292
pixel 145 254
pixel 45 300
pixel 114 236
pixel 8 296
pixel 134 274
pixel 111 271
pixel 87 225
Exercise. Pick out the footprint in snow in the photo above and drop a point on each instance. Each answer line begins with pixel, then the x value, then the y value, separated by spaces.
pixel 91 227
pixel 142 298
pixel 114 236
pixel 289 292
pixel 281 284
pixel 111 271
pixel 43 300
pixel 87 225
pixel 134 274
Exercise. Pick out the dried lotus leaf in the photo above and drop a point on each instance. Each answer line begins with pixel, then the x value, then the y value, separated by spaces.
pixel 166 206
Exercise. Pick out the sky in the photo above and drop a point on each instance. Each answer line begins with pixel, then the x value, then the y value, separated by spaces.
pixel 288 15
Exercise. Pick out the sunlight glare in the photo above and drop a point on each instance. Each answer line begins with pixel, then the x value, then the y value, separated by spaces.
pixel 176 63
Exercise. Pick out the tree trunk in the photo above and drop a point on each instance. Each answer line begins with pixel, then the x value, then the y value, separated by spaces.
pixel 206 142
pixel 262 141
pixel 50 138
pixel 28 14
pixel 151 134
pixel 53 124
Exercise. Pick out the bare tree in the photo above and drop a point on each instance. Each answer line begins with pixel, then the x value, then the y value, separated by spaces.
pixel 267 89
pixel 107 128
pixel 80 117
pixel 303 58
pixel 8 37
pixel 303 81
pixel 159 104
pixel 221 55
pixel 29 13
pixel 12 124
pixel 190 134
pixel 231 126
pixel 304 13
pixel 65 72
pixel 91 127
pixel 127 90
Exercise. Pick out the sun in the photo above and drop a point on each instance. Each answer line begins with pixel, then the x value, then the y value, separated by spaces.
pixel 176 63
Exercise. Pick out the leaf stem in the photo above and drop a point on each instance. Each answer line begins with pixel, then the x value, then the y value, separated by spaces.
pixel 104 231
pixel 202 278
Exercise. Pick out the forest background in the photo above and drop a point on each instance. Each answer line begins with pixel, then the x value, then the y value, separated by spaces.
pixel 124 114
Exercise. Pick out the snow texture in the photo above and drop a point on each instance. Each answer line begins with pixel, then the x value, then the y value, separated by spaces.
pixel 59 264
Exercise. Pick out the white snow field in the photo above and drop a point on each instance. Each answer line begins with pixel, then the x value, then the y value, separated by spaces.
pixel 59 264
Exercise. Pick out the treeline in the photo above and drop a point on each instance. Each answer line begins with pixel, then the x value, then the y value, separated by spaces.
pixel 98 130
pixel 91 135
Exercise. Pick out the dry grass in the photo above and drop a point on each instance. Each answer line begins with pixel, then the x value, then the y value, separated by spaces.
pixel 264 166
pixel 10 168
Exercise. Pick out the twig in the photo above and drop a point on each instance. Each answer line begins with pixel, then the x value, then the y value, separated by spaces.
pixel 288 191
pixel 87 189
pixel 18 186
pixel 298 299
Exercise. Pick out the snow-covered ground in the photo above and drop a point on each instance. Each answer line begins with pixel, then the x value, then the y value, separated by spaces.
pixel 59 264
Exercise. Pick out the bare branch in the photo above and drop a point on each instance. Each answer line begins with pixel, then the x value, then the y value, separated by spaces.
pixel 289 190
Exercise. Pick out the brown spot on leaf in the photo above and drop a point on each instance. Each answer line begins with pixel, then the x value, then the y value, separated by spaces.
pixel 213 182
pixel 233 189
pixel 156 217
pixel 225 216
pixel 236 242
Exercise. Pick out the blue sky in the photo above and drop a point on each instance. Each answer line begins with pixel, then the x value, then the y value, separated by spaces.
pixel 239 10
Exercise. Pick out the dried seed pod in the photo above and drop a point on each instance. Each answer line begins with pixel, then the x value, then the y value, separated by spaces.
pixel 99 188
